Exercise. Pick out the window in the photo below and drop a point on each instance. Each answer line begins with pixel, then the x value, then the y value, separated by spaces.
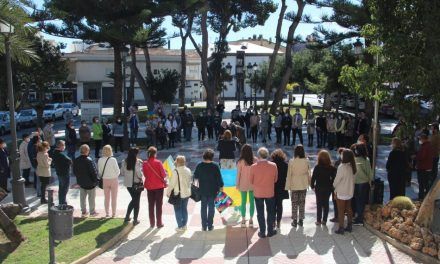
pixel 196 84
pixel 156 71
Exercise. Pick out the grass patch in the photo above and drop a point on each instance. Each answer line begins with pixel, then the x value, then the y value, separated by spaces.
pixel 89 234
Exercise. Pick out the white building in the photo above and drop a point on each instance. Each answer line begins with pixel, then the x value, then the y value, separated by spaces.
pixel 90 67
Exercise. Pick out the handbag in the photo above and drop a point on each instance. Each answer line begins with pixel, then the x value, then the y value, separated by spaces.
pixel 158 176
pixel 137 186
pixel 100 182
pixel 195 193
pixel 175 198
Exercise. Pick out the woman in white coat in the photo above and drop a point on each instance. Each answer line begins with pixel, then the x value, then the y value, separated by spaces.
pixel 298 180
pixel 109 171
pixel 180 182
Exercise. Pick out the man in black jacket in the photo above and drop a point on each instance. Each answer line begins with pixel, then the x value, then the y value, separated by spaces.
pixel 62 167
pixel 87 178
pixel 321 130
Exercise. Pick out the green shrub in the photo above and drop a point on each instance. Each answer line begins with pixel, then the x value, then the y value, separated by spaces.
pixel 402 202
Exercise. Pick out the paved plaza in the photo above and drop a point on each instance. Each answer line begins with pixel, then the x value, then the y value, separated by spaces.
pixel 229 243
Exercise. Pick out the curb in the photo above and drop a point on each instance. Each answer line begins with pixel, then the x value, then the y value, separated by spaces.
pixel 402 247
pixel 113 241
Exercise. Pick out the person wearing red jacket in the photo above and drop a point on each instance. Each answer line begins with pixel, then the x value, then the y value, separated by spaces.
pixel 155 183
pixel 424 159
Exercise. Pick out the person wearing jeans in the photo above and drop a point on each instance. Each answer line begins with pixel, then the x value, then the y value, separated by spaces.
pixel 210 182
pixel 86 174
pixel 131 170
pixel 155 183
pixel 363 179
pixel 62 168
pixel 108 170
pixel 118 134
pixel 180 183
pixel 424 164
pixel 279 158
pixel 43 168
pixel 264 175
pixel 25 162
pixel 243 183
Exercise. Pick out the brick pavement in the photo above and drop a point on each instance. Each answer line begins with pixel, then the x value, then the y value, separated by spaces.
pixel 229 243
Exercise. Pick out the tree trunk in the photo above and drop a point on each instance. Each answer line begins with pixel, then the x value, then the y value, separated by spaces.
pixel 426 211
pixel 303 95
pixel 144 88
pixel 10 230
pixel 210 89
pixel 150 75
pixel 117 87
pixel 273 58
pixel 39 108
pixel 130 93
pixel 288 57
pixel 183 71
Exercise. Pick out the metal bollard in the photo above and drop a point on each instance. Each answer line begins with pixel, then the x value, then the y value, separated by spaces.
pixel 51 240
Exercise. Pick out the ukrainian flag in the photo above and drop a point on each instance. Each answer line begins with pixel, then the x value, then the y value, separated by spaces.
pixel 168 165
pixel 229 177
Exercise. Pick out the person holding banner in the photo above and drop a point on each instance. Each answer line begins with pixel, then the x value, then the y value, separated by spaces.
pixel 244 185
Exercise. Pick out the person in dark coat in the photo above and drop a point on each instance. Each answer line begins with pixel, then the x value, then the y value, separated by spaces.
pixel 210 124
pixel 397 163
pixel 279 158
pixel 321 130
pixel 106 132
pixel 201 122
pixel 62 168
pixel 32 152
pixel 71 140
pixel 217 125
pixel 5 170
pixel 286 123
pixel 322 183
pixel 247 121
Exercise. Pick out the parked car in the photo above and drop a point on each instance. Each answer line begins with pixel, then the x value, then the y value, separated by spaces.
pixel 425 106
pixel 26 118
pixel 5 125
pixel 351 103
pixel 53 112
pixel 387 109
pixel 71 107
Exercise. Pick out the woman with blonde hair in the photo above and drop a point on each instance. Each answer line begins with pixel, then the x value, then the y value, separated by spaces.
pixel 298 179
pixel 43 168
pixel 180 183
pixel 226 147
pixel 323 176
pixel 108 171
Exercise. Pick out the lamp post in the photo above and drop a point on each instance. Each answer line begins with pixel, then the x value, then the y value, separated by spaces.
pixel 228 70
pixel 249 72
pixel 124 55
pixel 254 69
pixel 18 196
pixel 358 51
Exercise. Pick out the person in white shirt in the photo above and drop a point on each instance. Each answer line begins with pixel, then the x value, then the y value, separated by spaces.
pixel 180 183
pixel 25 162
pixel 344 189
pixel 108 170
pixel 298 180
pixel 171 126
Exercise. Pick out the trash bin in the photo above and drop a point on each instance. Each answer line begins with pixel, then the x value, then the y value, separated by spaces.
pixel 436 220
pixel 61 222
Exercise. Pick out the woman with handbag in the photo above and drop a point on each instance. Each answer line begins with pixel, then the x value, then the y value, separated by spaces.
pixel 155 183
pixel 108 170
pixel 131 170
pixel 43 168
pixel 179 191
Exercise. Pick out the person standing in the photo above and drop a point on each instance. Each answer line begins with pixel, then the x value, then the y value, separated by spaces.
pixel 279 158
pixel 278 126
pixel 363 181
pixel 118 134
pixel 25 162
pixel 171 127
pixel 226 148
pixel 298 180
pixel 435 142
pixel 310 128
pixel 254 122
pixel 396 163
pixel 86 174
pixel 362 125
pixel 286 124
pixel 344 189
pixel 106 132
pixel 134 128
pixel 321 130
pixel 43 168
pixel 264 175
pixel 217 125
pixel 340 131
pixel 265 117
pixel 108 171
pixel 235 114
pixel 247 121
pixel 350 131
pixel 5 170
pixel 210 124
pixel 155 184
pixel 71 140
pixel 131 170
pixel 323 176
pixel 49 134
pixel 243 184
pixel 189 123
pixel 85 134
pixel 210 182
pixel 201 126
pixel 331 131
pixel 424 159
pixel 178 119
pixel 180 183
pixel 297 122
pixel 62 168
pixel 32 152
pixel 97 136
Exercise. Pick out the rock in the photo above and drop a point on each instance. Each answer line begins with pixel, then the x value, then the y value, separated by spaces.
pixel 436 238
pixel 416 243
pixel 430 251
pixel 427 235
pixel 386 211
pixel 385 226
pixel 406 239
pixel 395 213
pixel 376 225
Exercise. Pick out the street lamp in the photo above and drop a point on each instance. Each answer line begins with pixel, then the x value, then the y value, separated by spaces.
pixel 17 182
pixel 358 48
pixel 124 55
pixel 249 71
pixel 254 69
pixel 228 71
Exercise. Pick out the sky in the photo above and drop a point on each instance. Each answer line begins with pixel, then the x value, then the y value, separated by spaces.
pixel 267 30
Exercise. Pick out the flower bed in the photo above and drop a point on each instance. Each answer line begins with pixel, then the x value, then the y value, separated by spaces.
pixel 400 224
